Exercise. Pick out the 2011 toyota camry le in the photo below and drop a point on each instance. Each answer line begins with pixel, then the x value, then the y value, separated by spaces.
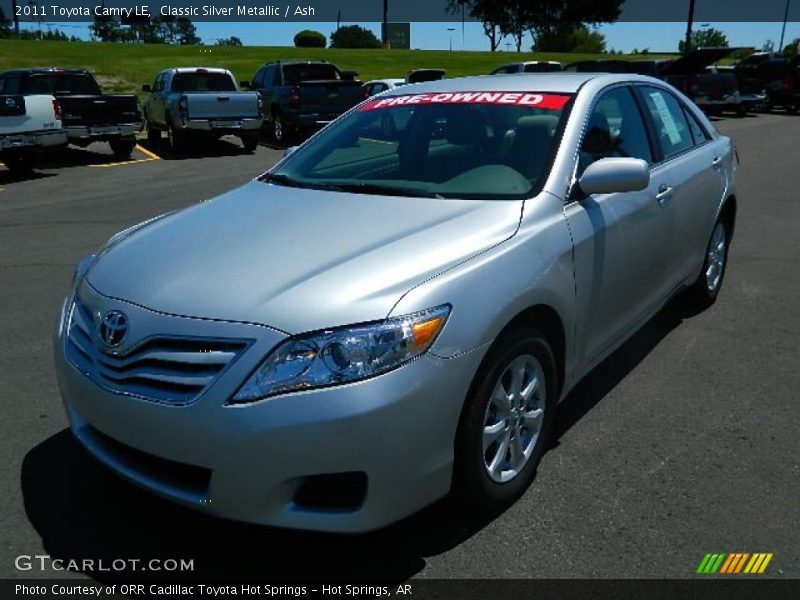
pixel 393 312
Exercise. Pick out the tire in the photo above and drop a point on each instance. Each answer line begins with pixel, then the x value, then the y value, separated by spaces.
pixel 741 111
pixel 153 134
pixel 250 143
pixel 122 148
pixel 703 292
pixel 486 476
pixel 791 109
pixel 279 133
pixel 19 163
pixel 174 138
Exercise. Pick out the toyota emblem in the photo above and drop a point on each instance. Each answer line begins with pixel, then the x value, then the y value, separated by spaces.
pixel 113 328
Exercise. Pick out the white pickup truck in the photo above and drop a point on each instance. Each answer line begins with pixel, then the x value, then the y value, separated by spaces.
pixel 198 101
pixel 28 123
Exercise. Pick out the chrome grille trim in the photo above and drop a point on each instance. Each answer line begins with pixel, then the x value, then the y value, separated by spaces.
pixel 173 370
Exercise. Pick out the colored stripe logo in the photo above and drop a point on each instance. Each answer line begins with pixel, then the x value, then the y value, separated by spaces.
pixel 734 563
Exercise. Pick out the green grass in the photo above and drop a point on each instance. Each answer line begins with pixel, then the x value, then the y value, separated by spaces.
pixel 123 68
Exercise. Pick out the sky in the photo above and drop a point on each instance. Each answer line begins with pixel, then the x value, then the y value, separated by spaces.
pixel 656 37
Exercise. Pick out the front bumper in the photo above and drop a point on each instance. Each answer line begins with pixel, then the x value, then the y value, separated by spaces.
pixel 222 126
pixel 398 429
pixel 33 139
pixel 86 133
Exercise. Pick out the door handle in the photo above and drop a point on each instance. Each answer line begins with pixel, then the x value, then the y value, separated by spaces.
pixel 664 195
pixel 717 162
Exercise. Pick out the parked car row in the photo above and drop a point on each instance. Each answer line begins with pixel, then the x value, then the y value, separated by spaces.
pixel 51 106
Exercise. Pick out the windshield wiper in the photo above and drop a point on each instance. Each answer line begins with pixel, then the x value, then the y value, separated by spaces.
pixel 380 189
pixel 281 180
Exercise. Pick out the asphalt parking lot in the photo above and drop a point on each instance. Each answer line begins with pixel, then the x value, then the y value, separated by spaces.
pixel 684 442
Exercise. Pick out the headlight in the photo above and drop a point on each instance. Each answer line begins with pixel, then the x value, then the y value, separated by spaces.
pixel 82 268
pixel 342 355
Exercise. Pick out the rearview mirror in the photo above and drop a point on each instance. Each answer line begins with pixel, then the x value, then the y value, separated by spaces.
pixel 146 87
pixel 615 175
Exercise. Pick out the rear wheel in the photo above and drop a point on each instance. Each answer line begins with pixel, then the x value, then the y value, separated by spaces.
pixel 19 163
pixel 705 290
pixel 123 147
pixel 250 143
pixel 506 422
pixel 278 127
pixel 174 138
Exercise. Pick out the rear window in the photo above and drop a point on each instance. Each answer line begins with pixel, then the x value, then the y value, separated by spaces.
pixel 478 145
pixel 203 82
pixel 293 74
pixel 60 83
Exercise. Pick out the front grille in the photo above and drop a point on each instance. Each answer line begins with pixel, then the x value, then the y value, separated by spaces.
pixel 172 370
pixel 180 476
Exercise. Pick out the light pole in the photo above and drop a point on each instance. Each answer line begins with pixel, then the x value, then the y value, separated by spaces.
pixel 15 17
pixel 687 46
pixel 451 30
pixel 783 29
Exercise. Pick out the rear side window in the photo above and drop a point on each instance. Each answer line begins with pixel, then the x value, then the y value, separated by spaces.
pixel 294 74
pixel 699 134
pixel 203 82
pixel 61 84
pixel 615 129
pixel 669 121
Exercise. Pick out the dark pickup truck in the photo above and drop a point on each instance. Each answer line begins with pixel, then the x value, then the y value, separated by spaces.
pixel 304 95
pixel 88 114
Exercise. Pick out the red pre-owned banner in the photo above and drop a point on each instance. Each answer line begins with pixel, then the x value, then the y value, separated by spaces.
pixel 545 101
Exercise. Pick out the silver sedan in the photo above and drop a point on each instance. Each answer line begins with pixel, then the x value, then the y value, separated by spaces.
pixel 393 312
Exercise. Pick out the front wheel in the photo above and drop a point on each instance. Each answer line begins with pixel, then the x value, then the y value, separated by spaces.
pixel 153 134
pixel 506 422
pixel 175 139
pixel 705 290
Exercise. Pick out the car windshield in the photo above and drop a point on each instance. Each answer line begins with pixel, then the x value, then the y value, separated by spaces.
pixel 61 83
pixel 203 82
pixel 294 74
pixel 475 145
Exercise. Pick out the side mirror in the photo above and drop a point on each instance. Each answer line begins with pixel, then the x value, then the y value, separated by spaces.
pixel 146 88
pixel 245 84
pixel 615 175
pixel 349 75
pixel 289 150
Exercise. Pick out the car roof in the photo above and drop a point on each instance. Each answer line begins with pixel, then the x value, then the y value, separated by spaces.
pixel 389 80
pixel 565 83
pixel 195 69
pixel 45 70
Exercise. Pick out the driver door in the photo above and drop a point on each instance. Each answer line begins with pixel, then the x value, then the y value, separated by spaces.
pixel 621 241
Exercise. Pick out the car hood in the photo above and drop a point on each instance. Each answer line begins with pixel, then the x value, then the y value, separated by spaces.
pixel 297 259
pixel 695 61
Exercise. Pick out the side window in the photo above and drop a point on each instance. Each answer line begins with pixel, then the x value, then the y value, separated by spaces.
pixel 615 129
pixel 699 133
pixel 271 76
pixel 669 121
pixel 258 78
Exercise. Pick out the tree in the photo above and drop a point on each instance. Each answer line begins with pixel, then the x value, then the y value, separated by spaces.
pixel 491 13
pixel 549 21
pixel 187 32
pixel 5 25
pixel 105 28
pixel 309 39
pixel 792 49
pixel 581 39
pixel 231 41
pixel 354 36
pixel 706 38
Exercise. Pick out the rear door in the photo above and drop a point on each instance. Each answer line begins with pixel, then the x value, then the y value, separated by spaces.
pixel 689 175
pixel 621 240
